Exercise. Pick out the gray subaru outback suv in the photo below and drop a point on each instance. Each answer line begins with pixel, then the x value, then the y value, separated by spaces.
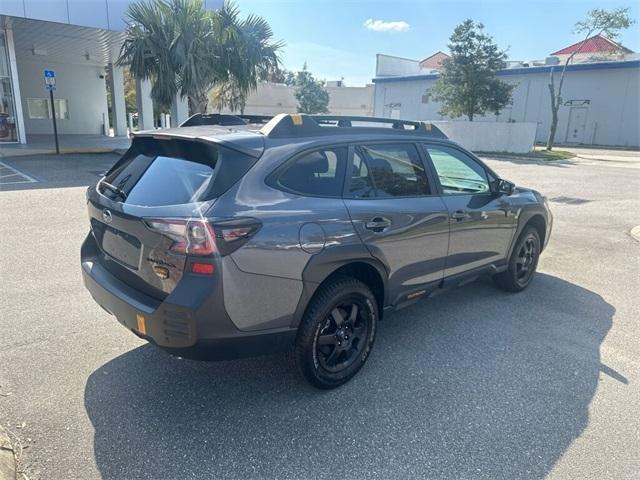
pixel 230 240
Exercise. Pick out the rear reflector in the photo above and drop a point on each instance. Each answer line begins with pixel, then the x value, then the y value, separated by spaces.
pixel 202 268
pixel 142 327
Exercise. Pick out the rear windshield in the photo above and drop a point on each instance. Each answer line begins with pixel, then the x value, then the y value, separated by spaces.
pixel 172 172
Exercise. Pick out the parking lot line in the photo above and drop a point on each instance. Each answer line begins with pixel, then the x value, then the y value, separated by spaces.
pixel 10 175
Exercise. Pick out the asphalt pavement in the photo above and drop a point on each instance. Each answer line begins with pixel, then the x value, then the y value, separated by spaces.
pixel 475 383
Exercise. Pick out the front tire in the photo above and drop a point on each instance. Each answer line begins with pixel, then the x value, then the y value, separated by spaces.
pixel 522 263
pixel 336 333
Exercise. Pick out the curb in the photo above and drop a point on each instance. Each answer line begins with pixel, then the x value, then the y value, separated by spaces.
pixel 28 153
pixel 7 457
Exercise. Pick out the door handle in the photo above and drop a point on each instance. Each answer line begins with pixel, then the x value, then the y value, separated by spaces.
pixel 378 224
pixel 460 215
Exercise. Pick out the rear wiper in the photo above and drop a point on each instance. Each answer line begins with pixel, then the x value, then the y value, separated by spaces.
pixel 114 189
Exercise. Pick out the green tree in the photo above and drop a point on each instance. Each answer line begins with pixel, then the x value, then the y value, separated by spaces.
pixel 186 49
pixel 598 22
pixel 254 57
pixel 311 94
pixel 467 85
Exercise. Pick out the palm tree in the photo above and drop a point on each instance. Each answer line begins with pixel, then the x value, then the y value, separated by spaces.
pixel 184 48
pixel 254 57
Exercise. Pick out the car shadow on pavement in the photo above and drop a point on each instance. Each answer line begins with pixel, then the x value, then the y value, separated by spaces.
pixel 476 383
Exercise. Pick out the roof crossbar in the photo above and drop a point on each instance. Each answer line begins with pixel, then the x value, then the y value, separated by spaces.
pixel 301 125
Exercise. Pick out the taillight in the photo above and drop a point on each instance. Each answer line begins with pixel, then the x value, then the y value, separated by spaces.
pixel 191 237
pixel 202 238
pixel 232 233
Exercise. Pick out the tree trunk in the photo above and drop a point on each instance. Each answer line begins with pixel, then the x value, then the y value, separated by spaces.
pixel 556 98
pixel 555 104
pixel 198 103
pixel 552 128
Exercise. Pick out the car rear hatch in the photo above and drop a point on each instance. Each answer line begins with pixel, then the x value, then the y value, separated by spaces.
pixel 160 189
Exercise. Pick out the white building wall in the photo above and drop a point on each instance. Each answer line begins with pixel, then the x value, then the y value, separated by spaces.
pixel 274 98
pixel 611 114
pixel 388 65
pixel 80 85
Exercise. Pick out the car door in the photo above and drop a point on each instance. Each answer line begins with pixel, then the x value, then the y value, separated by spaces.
pixel 482 223
pixel 396 211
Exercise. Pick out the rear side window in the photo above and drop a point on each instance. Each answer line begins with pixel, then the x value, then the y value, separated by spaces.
pixel 392 170
pixel 360 181
pixel 172 172
pixel 317 173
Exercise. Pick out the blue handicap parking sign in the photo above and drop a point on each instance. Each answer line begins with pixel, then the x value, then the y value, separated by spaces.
pixel 49 78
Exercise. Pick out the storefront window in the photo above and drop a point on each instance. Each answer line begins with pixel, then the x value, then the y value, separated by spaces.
pixel 8 131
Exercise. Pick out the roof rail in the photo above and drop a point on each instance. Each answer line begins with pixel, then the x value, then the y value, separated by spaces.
pixel 301 125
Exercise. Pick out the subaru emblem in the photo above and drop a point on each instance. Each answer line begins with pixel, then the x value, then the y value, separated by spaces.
pixel 106 216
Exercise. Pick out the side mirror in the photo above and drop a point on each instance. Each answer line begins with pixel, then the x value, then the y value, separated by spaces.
pixel 504 187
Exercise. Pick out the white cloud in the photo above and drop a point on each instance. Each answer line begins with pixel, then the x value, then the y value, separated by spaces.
pixel 382 26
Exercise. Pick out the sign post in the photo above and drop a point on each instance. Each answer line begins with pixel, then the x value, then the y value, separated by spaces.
pixel 50 83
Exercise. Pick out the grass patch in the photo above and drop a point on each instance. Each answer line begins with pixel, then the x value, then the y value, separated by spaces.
pixel 535 154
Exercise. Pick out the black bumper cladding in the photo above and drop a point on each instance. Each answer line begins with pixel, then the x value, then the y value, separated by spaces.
pixel 191 322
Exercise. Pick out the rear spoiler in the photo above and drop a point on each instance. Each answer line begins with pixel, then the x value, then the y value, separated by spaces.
pixel 224 119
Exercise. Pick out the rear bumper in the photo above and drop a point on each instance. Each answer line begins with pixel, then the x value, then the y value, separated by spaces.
pixel 191 322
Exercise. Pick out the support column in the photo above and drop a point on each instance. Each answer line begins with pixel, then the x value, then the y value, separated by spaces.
pixel 145 104
pixel 118 107
pixel 15 86
pixel 179 110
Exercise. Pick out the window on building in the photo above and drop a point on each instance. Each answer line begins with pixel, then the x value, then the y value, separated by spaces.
pixel 8 132
pixel 40 108
pixel 426 96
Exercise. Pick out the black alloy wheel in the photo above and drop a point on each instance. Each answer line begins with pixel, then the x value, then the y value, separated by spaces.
pixel 337 332
pixel 522 263
pixel 343 335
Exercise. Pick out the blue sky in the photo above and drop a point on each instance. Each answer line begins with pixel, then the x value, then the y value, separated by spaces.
pixel 331 35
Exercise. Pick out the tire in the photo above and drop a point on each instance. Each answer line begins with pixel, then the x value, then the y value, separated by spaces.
pixel 334 340
pixel 522 262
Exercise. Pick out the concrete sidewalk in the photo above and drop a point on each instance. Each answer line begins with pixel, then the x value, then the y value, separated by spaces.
pixel 45 144
pixel 7 457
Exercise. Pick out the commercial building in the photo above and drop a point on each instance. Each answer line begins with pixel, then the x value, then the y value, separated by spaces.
pixel 601 94
pixel 79 40
pixel 272 98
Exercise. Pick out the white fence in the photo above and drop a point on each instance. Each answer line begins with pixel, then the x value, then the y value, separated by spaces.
pixel 491 136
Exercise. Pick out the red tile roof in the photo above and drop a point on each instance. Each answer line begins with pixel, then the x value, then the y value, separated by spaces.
pixel 595 44
pixel 434 61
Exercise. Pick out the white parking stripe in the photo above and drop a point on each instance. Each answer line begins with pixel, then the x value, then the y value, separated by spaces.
pixel 6 171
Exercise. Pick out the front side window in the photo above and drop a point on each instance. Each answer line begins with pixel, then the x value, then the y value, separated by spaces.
pixel 390 170
pixel 318 173
pixel 458 174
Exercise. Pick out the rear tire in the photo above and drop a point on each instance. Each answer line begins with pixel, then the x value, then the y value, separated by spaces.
pixel 522 263
pixel 336 333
